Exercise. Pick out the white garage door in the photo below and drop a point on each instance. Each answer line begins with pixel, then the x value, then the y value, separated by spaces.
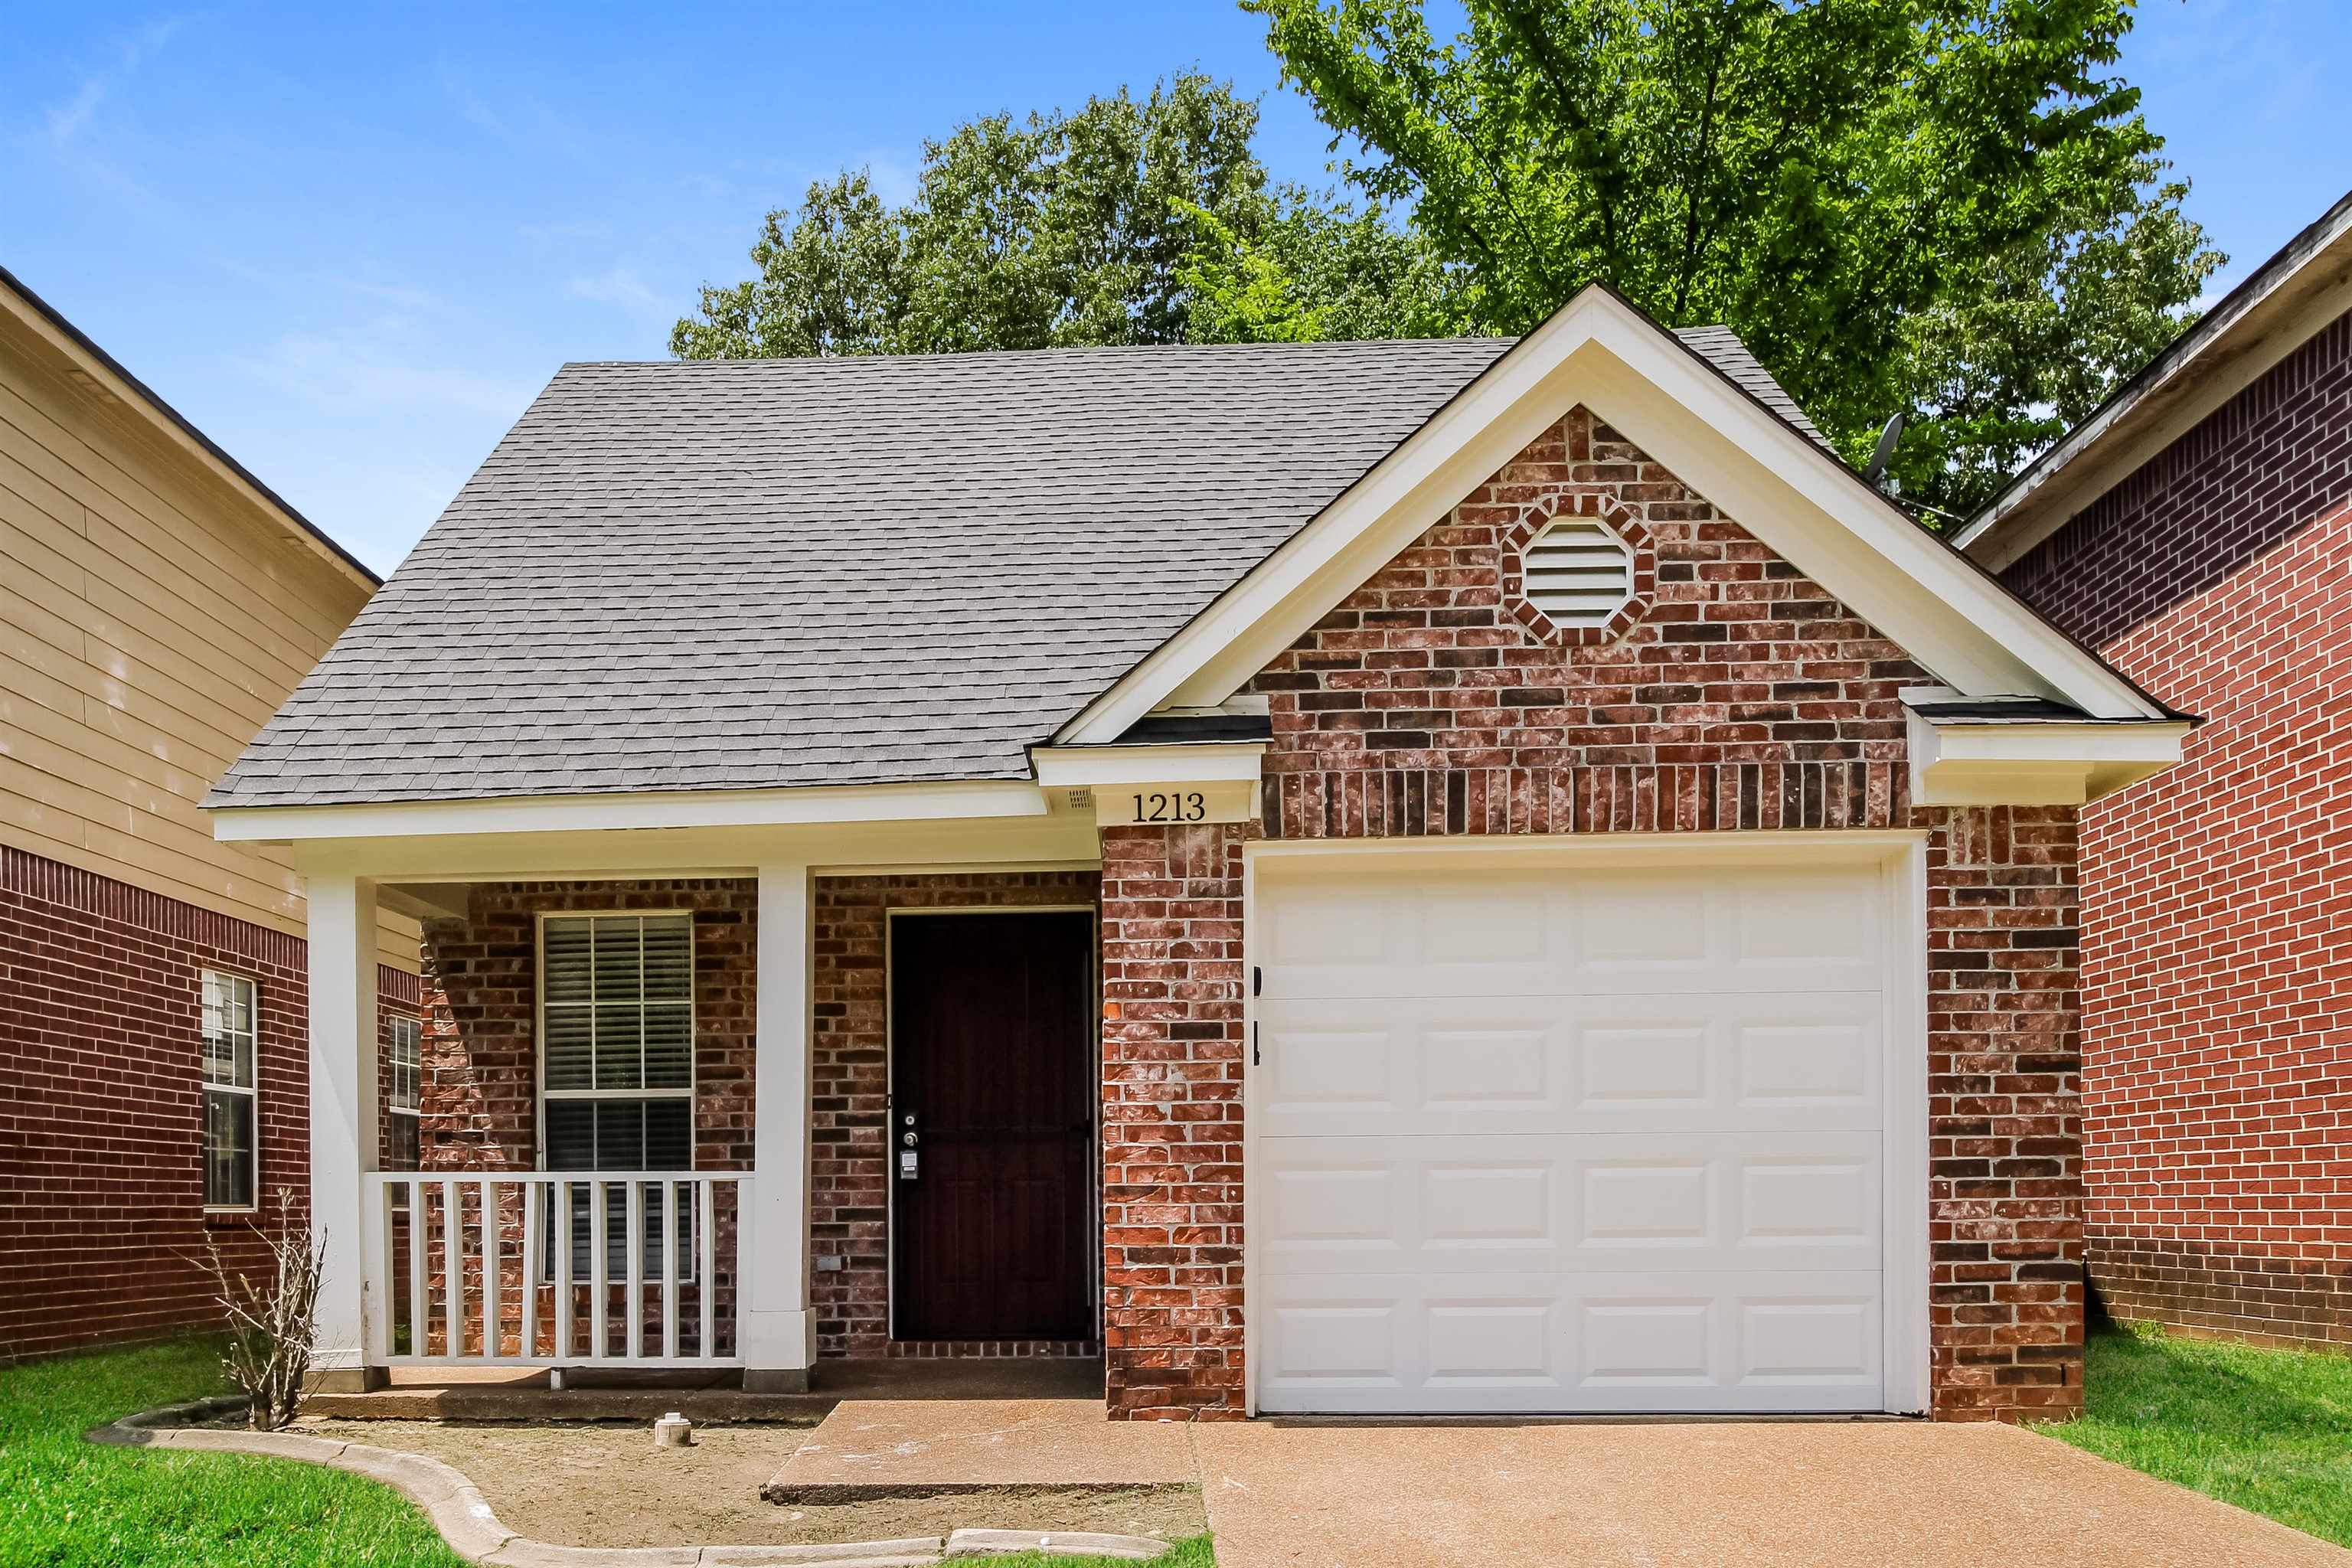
pixel 1563 1140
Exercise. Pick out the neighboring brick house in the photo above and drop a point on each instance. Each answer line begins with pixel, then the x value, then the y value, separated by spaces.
pixel 2197 531
pixel 1433 877
pixel 158 604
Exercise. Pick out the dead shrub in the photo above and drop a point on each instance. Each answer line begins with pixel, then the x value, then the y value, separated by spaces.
pixel 273 1328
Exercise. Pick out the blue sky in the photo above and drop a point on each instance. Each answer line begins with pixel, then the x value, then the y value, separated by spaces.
pixel 350 243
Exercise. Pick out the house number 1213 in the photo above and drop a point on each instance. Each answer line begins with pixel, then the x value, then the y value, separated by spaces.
pixel 1176 806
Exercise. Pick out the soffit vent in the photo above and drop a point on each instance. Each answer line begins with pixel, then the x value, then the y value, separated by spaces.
pixel 1577 573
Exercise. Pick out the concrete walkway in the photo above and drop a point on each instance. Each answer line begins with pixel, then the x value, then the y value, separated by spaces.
pixel 902 1447
pixel 1740 1494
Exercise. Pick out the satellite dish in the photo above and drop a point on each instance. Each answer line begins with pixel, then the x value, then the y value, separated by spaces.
pixel 1884 452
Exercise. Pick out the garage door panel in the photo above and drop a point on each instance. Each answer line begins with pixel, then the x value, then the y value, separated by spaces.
pixel 1538 1203
pixel 1412 1065
pixel 1534 933
pixel 1543 1140
pixel 1629 1342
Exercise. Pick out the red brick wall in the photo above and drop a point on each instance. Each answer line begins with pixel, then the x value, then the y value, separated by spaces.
pixel 2218 897
pixel 481 1044
pixel 1745 698
pixel 481 1051
pixel 1172 1120
pixel 480 1078
pixel 849 1184
pixel 103 1229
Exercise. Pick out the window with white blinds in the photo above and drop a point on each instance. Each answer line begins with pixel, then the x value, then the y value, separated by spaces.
pixel 616 1041
pixel 231 1101
pixel 1577 573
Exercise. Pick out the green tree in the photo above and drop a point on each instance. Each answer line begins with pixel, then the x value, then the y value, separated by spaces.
pixel 833 282
pixel 1941 207
pixel 1305 268
pixel 1105 225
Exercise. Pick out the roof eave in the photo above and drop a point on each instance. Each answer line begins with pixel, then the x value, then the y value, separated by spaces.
pixel 2294 293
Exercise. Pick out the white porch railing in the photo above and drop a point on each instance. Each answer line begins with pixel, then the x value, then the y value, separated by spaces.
pixel 556 1269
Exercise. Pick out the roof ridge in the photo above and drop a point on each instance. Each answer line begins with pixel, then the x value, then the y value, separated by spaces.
pixel 1050 350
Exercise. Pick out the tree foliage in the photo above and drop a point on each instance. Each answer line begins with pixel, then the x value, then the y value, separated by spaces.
pixel 1950 207
pixel 1105 225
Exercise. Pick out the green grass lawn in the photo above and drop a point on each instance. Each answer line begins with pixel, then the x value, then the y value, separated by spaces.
pixel 66 1503
pixel 2268 1430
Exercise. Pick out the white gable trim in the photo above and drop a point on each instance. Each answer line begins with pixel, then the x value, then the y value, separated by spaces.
pixel 1599 352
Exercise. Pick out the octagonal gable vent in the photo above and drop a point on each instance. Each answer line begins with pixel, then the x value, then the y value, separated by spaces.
pixel 1577 572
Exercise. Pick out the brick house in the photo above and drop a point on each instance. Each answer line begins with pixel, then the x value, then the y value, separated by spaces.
pixel 1432 877
pixel 159 603
pixel 2196 532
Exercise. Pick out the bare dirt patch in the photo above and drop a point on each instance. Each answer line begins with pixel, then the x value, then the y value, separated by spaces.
pixel 606 1484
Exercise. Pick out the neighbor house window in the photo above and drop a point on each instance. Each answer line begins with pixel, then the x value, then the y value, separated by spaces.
pixel 616 1065
pixel 403 1142
pixel 232 1121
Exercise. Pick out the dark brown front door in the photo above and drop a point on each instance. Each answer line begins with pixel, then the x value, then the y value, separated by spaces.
pixel 991 1024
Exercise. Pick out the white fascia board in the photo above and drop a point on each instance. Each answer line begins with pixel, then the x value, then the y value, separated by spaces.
pixel 1792 496
pixel 1975 762
pixel 2306 288
pixel 683 808
pixel 978 842
pixel 1204 762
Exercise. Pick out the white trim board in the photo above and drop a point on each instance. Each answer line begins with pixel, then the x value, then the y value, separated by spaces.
pixel 1201 762
pixel 1974 763
pixel 829 804
pixel 1598 351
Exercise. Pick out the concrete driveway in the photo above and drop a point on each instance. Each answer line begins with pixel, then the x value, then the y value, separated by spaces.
pixel 1750 1494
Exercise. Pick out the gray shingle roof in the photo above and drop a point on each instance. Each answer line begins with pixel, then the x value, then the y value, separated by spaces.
pixel 750 575
pixel 1721 347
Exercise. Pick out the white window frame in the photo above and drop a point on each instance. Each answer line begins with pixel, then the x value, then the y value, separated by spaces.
pixel 206 1087
pixel 542 1093
pixel 395 1025
pixel 545 1264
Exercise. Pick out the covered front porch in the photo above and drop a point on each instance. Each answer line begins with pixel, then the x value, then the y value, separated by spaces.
pixel 655 1129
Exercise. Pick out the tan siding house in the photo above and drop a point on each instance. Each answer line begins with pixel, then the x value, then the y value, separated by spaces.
pixel 157 604
pixel 157 607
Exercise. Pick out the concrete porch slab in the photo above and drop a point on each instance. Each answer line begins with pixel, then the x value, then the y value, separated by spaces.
pixel 617 1393
pixel 906 1448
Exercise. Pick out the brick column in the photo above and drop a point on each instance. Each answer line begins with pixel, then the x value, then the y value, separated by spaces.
pixel 2005 1115
pixel 1172 1066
